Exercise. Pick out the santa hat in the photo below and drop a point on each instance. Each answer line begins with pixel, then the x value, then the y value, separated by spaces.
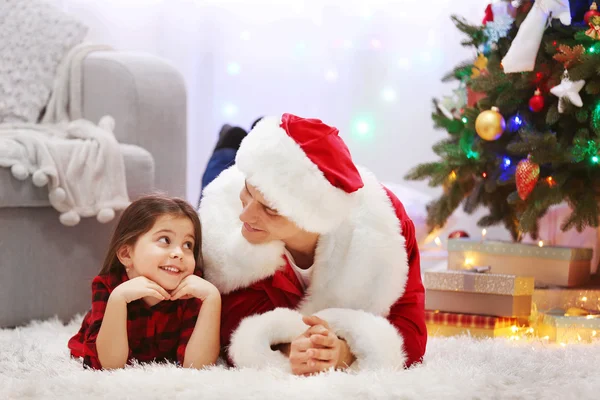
pixel 303 169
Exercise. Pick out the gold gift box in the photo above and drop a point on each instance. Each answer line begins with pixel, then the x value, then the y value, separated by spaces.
pixel 549 265
pixel 568 329
pixel 547 299
pixel 476 293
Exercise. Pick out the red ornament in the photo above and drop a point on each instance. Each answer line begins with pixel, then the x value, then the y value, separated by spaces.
pixel 474 97
pixel 536 103
pixel 592 13
pixel 489 15
pixel 527 176
pixel 458 235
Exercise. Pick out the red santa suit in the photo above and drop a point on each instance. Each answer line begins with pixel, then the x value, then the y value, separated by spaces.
pixel 365 280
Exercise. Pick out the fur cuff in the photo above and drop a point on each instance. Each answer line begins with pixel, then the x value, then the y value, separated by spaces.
pixel 251 342
pixel 372 339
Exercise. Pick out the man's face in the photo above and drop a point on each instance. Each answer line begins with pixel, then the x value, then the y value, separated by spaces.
pixel 262 223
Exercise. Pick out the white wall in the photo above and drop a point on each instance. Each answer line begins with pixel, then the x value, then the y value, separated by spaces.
pixel 329 59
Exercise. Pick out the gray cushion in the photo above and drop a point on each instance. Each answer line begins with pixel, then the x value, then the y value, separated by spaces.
pixel 139 173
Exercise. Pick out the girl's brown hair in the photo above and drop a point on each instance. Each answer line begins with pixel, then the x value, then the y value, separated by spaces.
pixel 140 217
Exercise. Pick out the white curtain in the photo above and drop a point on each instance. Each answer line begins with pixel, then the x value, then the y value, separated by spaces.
pixel 370 68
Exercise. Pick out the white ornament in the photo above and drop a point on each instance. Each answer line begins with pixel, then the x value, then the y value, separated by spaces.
pixel 524 48
pixel 500 26
pixel 451 106
pixel 570 90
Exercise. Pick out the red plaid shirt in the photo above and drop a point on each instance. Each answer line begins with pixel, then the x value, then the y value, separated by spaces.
pixel 158 333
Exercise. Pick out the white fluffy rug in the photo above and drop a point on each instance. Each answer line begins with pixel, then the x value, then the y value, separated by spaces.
pixel 34 364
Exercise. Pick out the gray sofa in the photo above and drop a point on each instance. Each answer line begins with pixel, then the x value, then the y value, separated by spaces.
pixel 45 267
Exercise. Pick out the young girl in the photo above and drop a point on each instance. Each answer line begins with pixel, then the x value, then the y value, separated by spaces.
pixel 149 302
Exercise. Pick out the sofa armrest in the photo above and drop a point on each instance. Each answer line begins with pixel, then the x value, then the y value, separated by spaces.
pixel 147 98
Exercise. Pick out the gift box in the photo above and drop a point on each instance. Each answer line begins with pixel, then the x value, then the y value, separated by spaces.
pixel 451 324
pixel 548 299
pixel 478 293
pixel 549 265
pixel 549 230
pixel 568 329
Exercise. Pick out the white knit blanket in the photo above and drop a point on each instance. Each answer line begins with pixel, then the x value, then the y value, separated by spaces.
pixel 79 161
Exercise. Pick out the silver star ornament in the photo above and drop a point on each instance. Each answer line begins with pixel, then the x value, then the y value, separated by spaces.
pixel 569 90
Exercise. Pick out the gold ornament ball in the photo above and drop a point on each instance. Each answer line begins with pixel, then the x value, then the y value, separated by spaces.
pixel 490 124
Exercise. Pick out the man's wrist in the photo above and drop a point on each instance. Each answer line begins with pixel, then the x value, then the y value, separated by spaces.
pixel 282 347
pixel 346 356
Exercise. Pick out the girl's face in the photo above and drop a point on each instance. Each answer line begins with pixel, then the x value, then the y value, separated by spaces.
pixel 164 254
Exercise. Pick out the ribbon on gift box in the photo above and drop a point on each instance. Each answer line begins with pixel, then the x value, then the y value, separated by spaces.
pixel 463 281
pixel 480 270
pixel 524 48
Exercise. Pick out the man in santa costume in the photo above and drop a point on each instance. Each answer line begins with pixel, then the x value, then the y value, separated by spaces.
pixel 316 261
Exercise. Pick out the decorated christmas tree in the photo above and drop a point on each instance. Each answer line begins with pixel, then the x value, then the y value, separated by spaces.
pixel 524 121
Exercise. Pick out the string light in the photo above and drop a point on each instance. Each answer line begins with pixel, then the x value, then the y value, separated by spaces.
pixel 300 48
pixel 595 159
pixel 331 75
pixel 472 154
pixel 541 243
pixel 438 242
pixel 404 63
pixel 483 233
pixel 376 43
pixel 465 120
pixel 453 175
pixel 507 162
pixel 229 110
pixel 363 127
pixel 426 56
pixel 469 261
pixel 550 181
pixel 484 174
pixel 514 123
pixel 366 12
pixel 388 94
pixel 584 298
pixel 529 333
pixel 233 68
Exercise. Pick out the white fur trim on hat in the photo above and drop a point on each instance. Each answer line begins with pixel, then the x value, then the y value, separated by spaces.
pixel 278 167
pixel 252 340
